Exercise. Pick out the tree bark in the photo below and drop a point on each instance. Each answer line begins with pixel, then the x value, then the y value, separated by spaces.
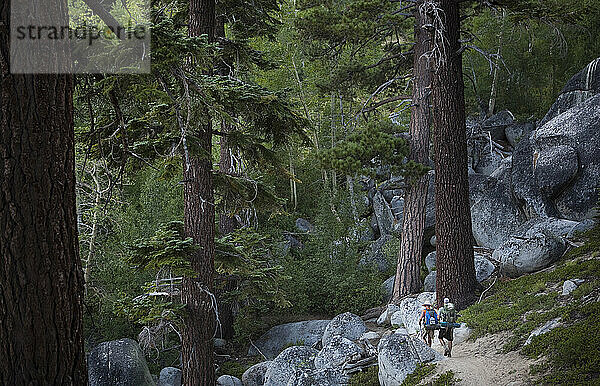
pixel 455 262
pixel 408 278
pixel 41 279
pixel 199 224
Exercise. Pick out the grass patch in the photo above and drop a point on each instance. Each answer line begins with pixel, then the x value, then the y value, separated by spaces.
pixel 445 379
pixel 572 352
pixel 567 355
pixel 420 373
pixel 369 377
pixel 522 304
pixel 238 367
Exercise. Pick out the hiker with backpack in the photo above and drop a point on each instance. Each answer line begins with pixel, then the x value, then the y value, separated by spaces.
pixel 447 321
pixel 429 318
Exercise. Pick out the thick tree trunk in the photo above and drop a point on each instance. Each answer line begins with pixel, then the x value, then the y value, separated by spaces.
pixel 41 279
pixel 455 263
pixel 199 219
pixel 413 223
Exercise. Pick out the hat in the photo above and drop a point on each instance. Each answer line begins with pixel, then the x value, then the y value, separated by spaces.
pixel 446 300
pixel 426 304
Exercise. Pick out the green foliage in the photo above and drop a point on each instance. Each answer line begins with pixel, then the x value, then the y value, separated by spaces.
pixel 445 379
pixel 236 368
pixel 531 295
pixel 542 44
pixel 167 248
pixel 371 148
pixel 420 373
pixel 326 278
pixel 243 255
pixel 572 352
pixel 369 377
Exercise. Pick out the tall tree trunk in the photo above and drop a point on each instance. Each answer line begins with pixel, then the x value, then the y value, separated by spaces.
pixel 41 279
pixel 408 278
pixel 455 262
pixel 199 224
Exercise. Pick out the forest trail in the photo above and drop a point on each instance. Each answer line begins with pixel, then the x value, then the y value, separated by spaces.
pixel 482 363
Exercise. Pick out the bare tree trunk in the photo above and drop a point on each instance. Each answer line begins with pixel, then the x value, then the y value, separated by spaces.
pixel 199 224
pixel 41 279
pixel 494 88
pixel 413 223
pixel 92 242
pixel 455 261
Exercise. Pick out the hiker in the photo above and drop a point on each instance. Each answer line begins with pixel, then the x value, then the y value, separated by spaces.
pixel 447 318
pixel 429 317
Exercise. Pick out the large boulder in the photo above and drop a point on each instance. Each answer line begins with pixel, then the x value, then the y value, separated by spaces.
pixel 567 150
pixel 255 375
pixel 483 267
pixel 169 376
pixel 430 261
pixel 387 287
pixel 580 87
pixel 386 315
pixel 544 329
pixel 554 168
pixel 429 283
pixel 514 133
pixel 273 341
pixel 399 355
pixel 385 218
pixel 497 123
pixel 346 325
pixel 118 362
pixel 410 311
pixel 502 174
pixel 557 227
pixel 378 253
pixel 519 256
pixel 285 366
pixel 495 216
pixel 339 351
pixel 483 270
pixel 488 161
pixel 524 184
pixel 318 377
pixel 228 380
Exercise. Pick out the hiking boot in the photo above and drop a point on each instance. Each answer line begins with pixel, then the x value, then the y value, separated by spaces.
pixel 446 352
pixel 449 354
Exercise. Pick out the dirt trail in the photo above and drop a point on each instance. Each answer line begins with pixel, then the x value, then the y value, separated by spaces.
pixel 482 363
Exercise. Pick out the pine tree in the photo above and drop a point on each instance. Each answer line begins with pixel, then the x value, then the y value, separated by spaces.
pixel 199 219
pixel 408 279
pixel 41 280
pixel 454 259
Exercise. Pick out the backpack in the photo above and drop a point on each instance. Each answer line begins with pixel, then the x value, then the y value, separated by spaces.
pixel 430 314
pixel 448 315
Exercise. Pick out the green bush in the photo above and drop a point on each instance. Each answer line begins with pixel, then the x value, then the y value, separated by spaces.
pixel 420 373
pixel 572 352
pixel 369 377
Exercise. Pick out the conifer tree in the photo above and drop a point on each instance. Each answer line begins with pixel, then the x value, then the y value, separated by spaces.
pixel 454 259
pixel 41 280
pixel 199 224
pixel 408 279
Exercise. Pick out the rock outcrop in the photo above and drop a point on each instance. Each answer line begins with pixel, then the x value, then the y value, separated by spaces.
pixel 118 362
pixel 399 355
pixel 273 341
